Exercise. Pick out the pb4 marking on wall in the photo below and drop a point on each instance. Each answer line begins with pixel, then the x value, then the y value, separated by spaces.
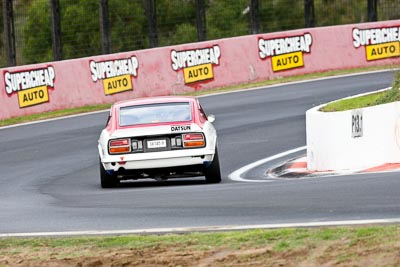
pixel 31 86
pixel 285 53
pixel 197 64
pixel 380 43
pixel 115 74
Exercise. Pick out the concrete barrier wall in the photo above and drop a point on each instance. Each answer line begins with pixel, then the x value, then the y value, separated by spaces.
pixel 185 68
pixel 352 140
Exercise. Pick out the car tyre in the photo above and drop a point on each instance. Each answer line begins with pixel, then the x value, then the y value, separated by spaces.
pixel 107 180
pixel 213 172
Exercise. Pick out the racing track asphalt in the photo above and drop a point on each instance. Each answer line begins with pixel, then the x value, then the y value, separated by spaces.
pixel 49 178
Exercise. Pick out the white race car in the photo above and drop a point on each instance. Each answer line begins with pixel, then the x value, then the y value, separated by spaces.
pixel 159 138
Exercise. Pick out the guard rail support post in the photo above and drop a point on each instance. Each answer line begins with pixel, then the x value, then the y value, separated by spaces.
pixel 255 16
pixel 56 29
pixel 151 14
pixel 105 27
pixel 201 20
pixel 309 13
pixel 8 20
pixel 372 10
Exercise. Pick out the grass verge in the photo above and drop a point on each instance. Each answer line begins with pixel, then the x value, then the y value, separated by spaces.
pixel 369 100
pixel 339 246
pixel 86 109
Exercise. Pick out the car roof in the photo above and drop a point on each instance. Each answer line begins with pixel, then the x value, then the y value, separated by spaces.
pixel 154 100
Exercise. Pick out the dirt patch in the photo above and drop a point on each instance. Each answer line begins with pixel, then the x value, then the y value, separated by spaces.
pixel 336 253
pixel 303 247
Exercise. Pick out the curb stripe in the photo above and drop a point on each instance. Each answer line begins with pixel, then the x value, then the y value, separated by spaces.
pixel 301 167
pixel 298 165
pixel 384 167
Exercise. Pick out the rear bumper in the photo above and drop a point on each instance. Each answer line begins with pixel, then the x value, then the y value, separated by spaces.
pixel 164 159
pixel 160 173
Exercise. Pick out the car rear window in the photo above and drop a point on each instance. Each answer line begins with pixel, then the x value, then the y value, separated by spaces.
pixel 155 113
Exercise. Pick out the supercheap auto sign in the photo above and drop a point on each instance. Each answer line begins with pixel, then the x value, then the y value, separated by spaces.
pixel 380 43
pixel 31 86
pixel 285 53
pixel 197 64
pixel 115 74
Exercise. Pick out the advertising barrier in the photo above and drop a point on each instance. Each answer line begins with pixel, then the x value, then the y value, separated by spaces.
pixel 197 66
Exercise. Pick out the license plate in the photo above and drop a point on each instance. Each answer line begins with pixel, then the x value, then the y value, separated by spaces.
pixel 156 143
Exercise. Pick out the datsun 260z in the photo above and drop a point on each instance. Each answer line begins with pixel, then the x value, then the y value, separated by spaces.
pixel 158 138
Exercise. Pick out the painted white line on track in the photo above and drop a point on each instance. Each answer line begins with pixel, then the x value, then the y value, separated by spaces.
pixel 237 175
pixel 205 228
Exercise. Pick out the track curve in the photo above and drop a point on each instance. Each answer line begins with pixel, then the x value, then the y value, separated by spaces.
pixel 49 171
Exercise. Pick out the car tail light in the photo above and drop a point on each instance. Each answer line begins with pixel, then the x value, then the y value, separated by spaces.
pixel 119 146
pixel 193 140
pixel 119 142
pixel 193 136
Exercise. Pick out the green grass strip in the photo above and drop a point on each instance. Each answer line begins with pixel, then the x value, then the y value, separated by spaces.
pixel 353 103
pixel 369 100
